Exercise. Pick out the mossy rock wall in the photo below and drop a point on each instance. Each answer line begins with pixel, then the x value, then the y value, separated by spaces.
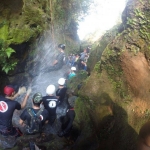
pixel 22 20
pixel 117 92
pixel 99 46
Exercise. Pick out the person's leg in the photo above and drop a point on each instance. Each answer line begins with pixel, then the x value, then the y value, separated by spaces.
pixel 52 120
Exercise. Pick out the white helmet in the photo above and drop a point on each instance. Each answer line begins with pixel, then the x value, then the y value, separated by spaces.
pixel 73 68
pixel 61 81
pixel 50 89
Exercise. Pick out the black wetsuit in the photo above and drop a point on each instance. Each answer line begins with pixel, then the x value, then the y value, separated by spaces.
pixel 61 92
pixel 58 65
pixel 50 103
pixel 67 121
pixel 60 62
pixel 7 108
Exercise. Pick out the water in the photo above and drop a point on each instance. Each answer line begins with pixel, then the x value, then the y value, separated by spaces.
pixel 43 57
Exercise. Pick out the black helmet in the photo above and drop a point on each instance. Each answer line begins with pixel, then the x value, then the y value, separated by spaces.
pixel 62 46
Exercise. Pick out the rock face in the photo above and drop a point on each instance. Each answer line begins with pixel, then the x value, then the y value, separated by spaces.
pixel 22 20
pixel 116 95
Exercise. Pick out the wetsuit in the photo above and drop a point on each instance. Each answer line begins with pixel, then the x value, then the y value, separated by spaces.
pixel 61 92
pixel 7 108
pixel 58 65
pixel 50 103
pixel 67 122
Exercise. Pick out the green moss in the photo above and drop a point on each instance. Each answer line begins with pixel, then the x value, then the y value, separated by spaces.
pixel 18 36
pixel 4 31
pixel 97 67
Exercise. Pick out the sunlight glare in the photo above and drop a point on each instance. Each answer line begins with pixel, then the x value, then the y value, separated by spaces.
pixel 104 14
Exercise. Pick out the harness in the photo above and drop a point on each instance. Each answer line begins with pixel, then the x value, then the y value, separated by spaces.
pixel 32 128
pixel 32 113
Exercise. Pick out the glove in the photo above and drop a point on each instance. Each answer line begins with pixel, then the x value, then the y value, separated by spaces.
pixel 21 90
pixel 61 134
pixel 29 91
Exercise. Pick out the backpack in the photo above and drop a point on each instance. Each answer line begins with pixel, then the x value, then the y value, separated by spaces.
pixel 35 122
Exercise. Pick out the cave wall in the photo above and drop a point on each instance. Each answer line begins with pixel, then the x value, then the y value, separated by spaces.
pixel 116 95
pixel 22 20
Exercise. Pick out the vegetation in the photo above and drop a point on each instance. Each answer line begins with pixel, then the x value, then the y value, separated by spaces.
pixel 5 54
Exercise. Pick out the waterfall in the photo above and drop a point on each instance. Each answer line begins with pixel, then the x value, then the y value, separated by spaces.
pixel 42 58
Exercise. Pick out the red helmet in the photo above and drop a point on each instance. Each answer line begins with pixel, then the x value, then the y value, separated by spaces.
pixel 8 90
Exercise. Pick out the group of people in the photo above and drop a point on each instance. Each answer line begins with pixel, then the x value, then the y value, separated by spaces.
pixel 33 118
pixel 79 60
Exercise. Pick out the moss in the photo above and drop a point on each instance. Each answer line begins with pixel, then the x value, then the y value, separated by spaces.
pixel 4 31
pixel 18 36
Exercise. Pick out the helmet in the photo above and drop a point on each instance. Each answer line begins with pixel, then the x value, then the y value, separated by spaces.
pixel 71 100
pixel 37 98
pixel 50 89
pixel 73 68
pixel 8 90
pixel 61 81
pixel 62 46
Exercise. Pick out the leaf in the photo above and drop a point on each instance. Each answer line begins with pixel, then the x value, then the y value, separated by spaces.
pixel 5 69
pixel 9 51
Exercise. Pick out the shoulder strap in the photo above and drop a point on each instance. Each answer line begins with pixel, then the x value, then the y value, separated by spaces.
pixel 39 112
pixel 30 112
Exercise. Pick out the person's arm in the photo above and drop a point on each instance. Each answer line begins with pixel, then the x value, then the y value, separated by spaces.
pixel 23 104
pixel 20 91
pixel 55 62
pixel 21 122
pixel 23 118
pixel 46 122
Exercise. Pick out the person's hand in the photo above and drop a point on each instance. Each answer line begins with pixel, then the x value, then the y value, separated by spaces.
pixel 21 90
pixel 29 91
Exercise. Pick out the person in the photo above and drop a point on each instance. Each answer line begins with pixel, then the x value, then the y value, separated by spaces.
pixel 7 107
pixel 73 59
pixel 72 73
pixel 33 118
pixel 59 60
pixel 50 103
pixel 82 57
pixel 67 120
pixel 88 49
pixel 76 60
pixel 61 91
pixel 83 65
